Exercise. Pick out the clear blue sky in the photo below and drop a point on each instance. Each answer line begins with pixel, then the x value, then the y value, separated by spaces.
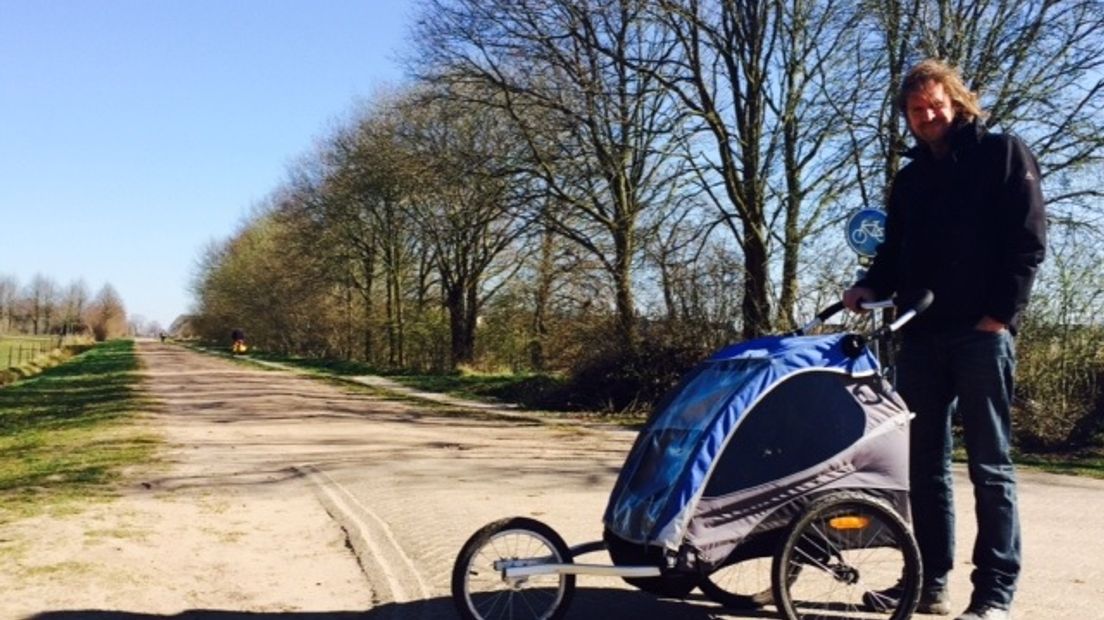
pixel 134 132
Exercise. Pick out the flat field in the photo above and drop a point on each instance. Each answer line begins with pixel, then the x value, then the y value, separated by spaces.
pixel 14 350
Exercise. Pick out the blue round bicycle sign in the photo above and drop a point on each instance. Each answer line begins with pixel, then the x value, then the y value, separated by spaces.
pixel 866 231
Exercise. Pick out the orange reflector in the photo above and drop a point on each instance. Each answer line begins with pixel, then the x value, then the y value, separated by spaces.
pixel 848 523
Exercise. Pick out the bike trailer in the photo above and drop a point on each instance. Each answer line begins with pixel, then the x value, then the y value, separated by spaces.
pixel 744 443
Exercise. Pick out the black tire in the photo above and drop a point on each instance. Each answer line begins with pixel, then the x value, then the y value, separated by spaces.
pixel 481 593
pixel 841 547
pixel 744 582
pixel 746 586
pixel 743 586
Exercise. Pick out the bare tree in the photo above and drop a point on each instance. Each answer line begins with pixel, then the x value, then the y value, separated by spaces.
pixel 720 75
pixel 463 205
pixel 596 128
pixel 817 149
pixel 758 77
pixel 76 299
pixel 375 174
pixel 136 325
pixel 260 282
pixel 9 289
pixel 879 56
pixel 42 297
pixel 350 206
pixel 545 276
pixel 327 215
pixel 106 315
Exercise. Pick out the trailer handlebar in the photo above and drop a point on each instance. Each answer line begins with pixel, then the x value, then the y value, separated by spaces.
pixel 908 304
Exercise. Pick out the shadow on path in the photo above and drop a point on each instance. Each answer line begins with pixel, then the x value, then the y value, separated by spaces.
pixel 607 604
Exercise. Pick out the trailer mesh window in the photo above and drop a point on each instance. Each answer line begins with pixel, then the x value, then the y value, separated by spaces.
pixel 807 419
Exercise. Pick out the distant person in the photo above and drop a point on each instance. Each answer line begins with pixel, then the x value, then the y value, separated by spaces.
pixel 162 336
pixel 238 338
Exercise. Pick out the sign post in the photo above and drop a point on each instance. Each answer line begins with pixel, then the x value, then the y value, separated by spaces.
pixel 865 232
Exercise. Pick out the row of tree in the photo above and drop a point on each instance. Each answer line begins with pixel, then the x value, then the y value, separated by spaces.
pixel 567 178
pixel 43 307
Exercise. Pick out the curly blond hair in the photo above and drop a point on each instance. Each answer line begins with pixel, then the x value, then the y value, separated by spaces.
pixel 964 101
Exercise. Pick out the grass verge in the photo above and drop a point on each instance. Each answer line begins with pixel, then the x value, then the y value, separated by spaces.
pixel 1087 463
pixel 41 361
pixel 65 435
pixel 529 391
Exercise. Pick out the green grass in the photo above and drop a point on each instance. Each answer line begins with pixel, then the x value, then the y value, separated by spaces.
pixel 1089 464
pixel 529 391
pixel 340 368
pixel 65 434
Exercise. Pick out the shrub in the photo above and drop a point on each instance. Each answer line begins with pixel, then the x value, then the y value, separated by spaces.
pixel 614 380
pixel 1059 400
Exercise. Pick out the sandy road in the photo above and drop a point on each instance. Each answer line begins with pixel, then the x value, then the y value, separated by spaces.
pixel 224 524
pixel 266 475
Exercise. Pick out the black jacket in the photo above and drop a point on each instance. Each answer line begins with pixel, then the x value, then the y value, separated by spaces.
pixel 970 227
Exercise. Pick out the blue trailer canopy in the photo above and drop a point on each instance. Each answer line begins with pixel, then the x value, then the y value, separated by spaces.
pixel 810 402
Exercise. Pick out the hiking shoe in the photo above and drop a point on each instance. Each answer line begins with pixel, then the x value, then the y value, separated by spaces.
pixel 985 612
pixel 932 600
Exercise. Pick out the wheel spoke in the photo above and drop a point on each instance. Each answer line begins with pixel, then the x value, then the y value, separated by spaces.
pixel 744 585
pixel 867 548
pixel 482 593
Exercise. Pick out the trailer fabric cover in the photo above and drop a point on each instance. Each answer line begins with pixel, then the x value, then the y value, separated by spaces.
pixel 668 470
pixel 851 436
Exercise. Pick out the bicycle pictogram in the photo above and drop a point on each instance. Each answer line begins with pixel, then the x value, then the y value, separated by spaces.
pixel 866 231
pixel 870 228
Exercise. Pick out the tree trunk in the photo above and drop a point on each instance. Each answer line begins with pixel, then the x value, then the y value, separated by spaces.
pixel 791 250
pixel 622 282
pixel 399 344
pixel 461 324
pixel 395 354
pixel 755 304
pixel 368 316
pixel 541 299
pixel 471 322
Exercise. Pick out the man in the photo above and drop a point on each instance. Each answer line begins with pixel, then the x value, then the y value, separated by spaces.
pixel 965 219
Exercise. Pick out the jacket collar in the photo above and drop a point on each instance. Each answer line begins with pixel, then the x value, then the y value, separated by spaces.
pixel 964 135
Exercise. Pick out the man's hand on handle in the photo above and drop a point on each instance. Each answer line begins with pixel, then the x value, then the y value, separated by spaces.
pixel 856 295
pixel 989 324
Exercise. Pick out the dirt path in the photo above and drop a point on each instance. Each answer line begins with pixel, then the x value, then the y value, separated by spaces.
pixel 225 525
pixel 235 525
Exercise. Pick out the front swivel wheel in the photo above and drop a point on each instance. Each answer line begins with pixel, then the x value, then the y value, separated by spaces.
pixel 481 590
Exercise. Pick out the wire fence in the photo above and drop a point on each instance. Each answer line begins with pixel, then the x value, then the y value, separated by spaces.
pixel 15 351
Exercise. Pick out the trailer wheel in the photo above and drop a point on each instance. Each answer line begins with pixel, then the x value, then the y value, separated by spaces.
pixel 842 548
pixel 480 589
